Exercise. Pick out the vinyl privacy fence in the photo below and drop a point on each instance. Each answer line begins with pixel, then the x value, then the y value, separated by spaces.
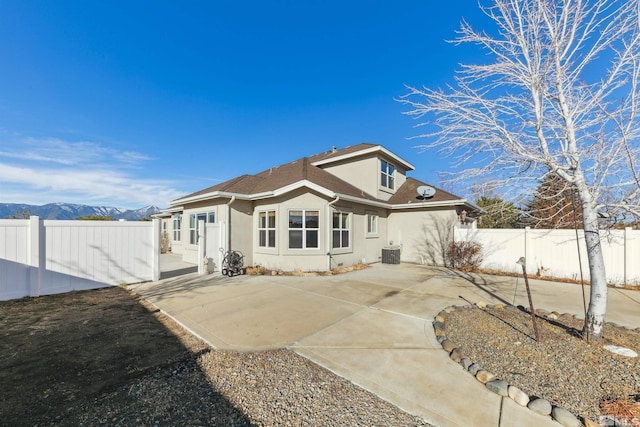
pixel 555 253
pixel 42 257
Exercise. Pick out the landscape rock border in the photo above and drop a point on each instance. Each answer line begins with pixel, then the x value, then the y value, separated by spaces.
pixel 502 388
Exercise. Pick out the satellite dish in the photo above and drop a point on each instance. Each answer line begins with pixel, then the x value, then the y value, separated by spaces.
pixel 425 191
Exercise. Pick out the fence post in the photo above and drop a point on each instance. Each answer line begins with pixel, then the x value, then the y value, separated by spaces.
pixel 156 239
pixel 628 262
pixel 202 241
pixel 221 243
pixel 37 258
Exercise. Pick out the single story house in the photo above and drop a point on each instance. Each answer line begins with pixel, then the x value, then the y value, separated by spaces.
pixel 340 207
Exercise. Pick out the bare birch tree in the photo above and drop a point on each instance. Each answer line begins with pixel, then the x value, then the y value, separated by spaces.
pixel 558 94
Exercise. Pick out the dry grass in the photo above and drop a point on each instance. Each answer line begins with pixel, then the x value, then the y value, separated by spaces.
pixel 622 411
pixel 262 271
pixel 551 278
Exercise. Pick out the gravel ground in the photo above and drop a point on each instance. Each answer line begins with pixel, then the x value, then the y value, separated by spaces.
pixel 272 388
pixel 562 368
pixel 106 358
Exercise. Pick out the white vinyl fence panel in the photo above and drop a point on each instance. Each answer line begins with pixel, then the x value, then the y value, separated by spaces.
pixel 46 257
pixel 14 258
pixel 557 253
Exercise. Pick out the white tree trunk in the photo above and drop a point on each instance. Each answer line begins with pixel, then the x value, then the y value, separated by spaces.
pixel 598 296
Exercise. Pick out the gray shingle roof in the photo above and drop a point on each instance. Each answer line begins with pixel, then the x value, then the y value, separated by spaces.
pixel 303 169
pixel 408 193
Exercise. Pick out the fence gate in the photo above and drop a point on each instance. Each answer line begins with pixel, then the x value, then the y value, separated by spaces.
pixel 215 245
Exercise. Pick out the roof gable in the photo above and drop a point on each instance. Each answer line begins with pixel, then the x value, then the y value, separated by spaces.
pixel 362 149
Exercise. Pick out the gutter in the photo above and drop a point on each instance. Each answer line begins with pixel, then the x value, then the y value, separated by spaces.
pixel 417 205
pixel 329 222
pixel 445 203
pixel 166 213
pixel 218 194
pixel 228 204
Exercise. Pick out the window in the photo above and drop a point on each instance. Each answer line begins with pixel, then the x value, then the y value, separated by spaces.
pixel 194 219
pixel 177 225
pixel 303 229
pixel 340 230
pixel 372 224
pixel 267 229
pixel 387 175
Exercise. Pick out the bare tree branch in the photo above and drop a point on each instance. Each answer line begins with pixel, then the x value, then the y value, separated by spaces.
pixel 559 94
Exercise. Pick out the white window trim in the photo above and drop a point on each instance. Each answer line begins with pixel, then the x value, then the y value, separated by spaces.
pixel 385 173
pixel 304 230
pixel 266 229
pixel 372 233
pixel 193 225
pixel 177 231
pixel 348 229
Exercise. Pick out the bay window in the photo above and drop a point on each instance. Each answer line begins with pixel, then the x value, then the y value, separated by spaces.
pixel 304 229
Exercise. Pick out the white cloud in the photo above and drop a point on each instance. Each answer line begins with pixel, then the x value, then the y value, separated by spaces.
pixel 52 170
pixel 58 151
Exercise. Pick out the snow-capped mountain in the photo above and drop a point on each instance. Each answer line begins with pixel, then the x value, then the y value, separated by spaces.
pixel 73 211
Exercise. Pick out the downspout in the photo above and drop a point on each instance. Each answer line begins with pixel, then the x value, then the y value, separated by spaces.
pixel 228 204
pixel 329 222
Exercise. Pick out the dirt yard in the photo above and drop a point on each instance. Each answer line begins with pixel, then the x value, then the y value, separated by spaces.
pixel 64 359
pixel 106 358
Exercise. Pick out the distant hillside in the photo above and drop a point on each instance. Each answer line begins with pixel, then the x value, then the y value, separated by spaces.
pixel 73 211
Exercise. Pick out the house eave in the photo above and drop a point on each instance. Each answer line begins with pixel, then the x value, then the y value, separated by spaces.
pixel 440 204
pixel 221 194
pixel 165 213
pixel 363 201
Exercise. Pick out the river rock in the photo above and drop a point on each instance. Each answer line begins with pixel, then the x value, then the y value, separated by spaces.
pixel 518 396
pixel 474 369
pixel 486 376
pixel 456 355
pixel 448 346
pixel 499 387
pixel 438 325
pixel 540 406
pixel 564 417
pixel 466 363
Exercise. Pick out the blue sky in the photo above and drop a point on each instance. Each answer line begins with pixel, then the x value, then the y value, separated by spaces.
pixel 131 103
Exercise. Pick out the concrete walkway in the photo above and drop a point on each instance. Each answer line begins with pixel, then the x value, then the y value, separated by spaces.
pixel 373 327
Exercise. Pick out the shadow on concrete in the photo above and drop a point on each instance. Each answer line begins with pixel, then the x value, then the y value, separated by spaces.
pixel 101 358
pixel 481 283
pixel 172 265
pixel 179 272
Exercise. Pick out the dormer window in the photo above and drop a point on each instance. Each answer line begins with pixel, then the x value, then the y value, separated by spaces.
pixel 387 175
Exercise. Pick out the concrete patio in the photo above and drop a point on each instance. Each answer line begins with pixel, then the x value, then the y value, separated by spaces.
pixel 373 327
